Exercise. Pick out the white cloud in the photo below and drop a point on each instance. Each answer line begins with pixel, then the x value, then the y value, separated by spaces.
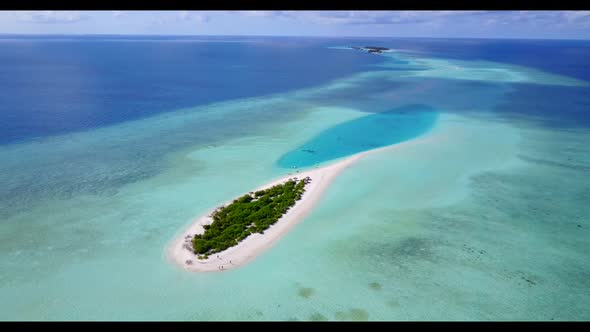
pixel 181 16
pixel 375 17
pixel 539 18
pixel 428 17
pixel 201 18
pixel 184 15
pixel 452 23
pixel 50 16
pixel 266 13
pixel 579 16
pixel 258 13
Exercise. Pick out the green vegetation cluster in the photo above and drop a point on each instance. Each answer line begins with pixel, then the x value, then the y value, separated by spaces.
pixel 251 213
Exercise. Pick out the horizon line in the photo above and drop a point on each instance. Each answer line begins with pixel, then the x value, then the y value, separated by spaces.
pixel 305 36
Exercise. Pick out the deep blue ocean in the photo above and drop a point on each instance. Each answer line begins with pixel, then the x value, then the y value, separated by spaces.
pixel 58 84
pixel 55 85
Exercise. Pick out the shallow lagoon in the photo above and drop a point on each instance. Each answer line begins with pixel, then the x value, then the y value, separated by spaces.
pixel 362 134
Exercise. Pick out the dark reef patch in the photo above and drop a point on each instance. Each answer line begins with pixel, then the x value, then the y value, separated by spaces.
pixel 352 314
pixel 317 317
pixel 375 286
pixel 305 292
pixel 411 248
pixel 552 163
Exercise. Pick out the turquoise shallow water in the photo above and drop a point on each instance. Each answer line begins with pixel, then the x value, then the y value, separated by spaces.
pixel 482 216
pixel 362 134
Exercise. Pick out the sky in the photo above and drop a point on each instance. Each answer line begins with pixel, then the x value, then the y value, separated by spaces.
pixel 448 24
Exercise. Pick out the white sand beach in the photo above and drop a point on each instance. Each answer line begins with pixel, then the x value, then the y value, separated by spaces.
pixel 179 251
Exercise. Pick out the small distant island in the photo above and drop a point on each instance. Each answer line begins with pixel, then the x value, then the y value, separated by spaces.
pixel 251 213
pixel 371 49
